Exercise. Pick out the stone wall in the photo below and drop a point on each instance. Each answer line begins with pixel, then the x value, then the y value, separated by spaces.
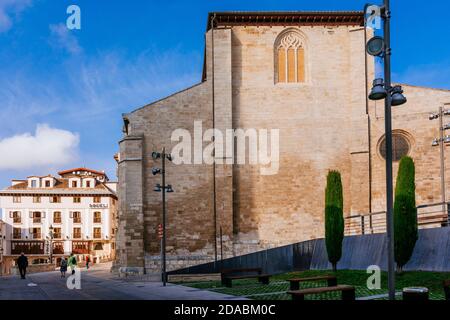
pixel 325 123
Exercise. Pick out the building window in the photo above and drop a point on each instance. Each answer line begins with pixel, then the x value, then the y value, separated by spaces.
pixel 37 216
pixel 17 199
pixel 56 217
pixel 76 216
pixel 88 184
pixel 33 183
pixel 35 233
pixel 16 216
pixel 290 58
pixel 76 233
pixel 58 248
pixel 401 146
pixel 97 217
pixel 74 184
pixel 57 233
pixel 80 247
pixel 36 199
pixel 97 233
pixel 17 233
pixel 97 199
pixel 76 199
pixel 47 184
pixel 55 199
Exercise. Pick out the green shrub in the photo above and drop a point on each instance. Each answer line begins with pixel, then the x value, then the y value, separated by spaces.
pixel 405 213
pixel 334 218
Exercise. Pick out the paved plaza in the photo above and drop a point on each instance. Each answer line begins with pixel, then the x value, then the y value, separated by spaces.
pixel 98 284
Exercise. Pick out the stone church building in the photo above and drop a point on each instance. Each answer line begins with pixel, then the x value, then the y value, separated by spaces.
pixel 304 73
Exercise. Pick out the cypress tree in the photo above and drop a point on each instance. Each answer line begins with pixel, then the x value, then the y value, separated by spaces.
pixel 405 213
pixel 334 218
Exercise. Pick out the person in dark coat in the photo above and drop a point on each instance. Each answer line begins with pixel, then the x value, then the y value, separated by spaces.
pixel 22 263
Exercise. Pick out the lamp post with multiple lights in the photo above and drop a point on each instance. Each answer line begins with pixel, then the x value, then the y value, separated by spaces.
pixel 393 96
pixel 51 236
pixel 440 142
pixel 162 188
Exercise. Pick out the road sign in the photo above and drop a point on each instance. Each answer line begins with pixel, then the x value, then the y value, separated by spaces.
pixel 160 231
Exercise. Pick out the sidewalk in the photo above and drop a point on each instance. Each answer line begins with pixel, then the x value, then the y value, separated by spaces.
pixel 98 284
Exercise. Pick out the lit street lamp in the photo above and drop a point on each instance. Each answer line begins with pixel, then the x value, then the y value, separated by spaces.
pixel 393 96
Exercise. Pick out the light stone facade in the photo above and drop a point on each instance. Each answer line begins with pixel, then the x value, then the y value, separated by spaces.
pixel 325 123
pixel 48 217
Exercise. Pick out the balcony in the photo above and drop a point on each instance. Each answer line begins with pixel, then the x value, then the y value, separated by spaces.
pixel 17 220
pixel 80 247
pixel 77 220
pixel 97 220
pixel 58 248
pixel 56 220
pixel 27 247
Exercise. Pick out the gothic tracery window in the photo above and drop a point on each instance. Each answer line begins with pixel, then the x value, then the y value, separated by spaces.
pixel 290 58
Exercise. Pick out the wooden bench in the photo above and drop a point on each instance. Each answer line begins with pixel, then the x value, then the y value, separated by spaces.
pixel 229 275
pixel 295 283
pixel 447 289
pixel 348 292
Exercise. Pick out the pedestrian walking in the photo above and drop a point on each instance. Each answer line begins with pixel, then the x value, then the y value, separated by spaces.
pixel 22 263
pixel 88 260
pixel 63 267
pixel 72 263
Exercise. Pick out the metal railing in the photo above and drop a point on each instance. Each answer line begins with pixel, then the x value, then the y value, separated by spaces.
pixel 428 216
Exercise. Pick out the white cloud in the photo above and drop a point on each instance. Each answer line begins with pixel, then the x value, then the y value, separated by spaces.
pixel 62 37
pixel 9 9
pixel 47 147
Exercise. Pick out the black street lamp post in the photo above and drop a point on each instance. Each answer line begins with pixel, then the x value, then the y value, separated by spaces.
pixel 51 235
pixel 158 188
pixel 393 96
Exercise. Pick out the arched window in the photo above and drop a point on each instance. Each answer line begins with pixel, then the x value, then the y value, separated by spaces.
pixel 401 145
pixel 290 57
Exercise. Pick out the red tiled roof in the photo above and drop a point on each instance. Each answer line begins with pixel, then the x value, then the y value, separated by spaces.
pixel 81 169
pixel 288 18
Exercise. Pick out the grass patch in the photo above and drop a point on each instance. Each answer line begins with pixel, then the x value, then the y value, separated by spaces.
pixel 278 286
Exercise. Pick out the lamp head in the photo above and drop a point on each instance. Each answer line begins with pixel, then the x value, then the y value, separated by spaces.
pixel 375 46
pixel 155 171
pixel 169 188
pixel 447 139
pixel 378 91
pixel 156 155
pixel 157 188
pixel 433 116
pixel 435 143
pixel 397 96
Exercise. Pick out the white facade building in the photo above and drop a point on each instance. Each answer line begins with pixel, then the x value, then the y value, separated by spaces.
pixel 49 217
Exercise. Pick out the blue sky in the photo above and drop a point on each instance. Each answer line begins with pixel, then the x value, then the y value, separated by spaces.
pixel 62 92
